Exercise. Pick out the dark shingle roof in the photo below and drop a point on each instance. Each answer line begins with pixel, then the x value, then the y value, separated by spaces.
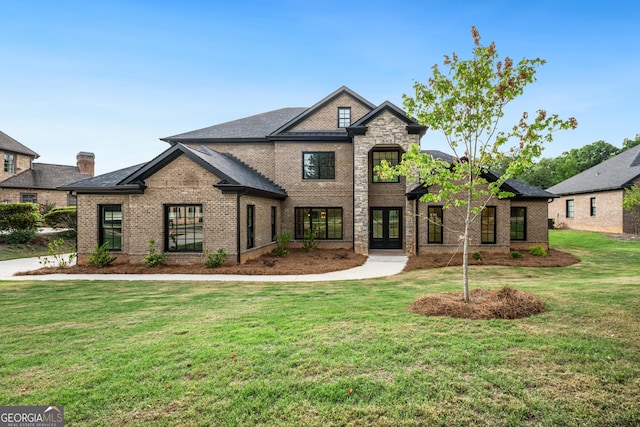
pixel 44 176
pixel 233 174
pixel 253 127
pixel 9 144
pixel 103 181
pixel 612 174
pixel 519 188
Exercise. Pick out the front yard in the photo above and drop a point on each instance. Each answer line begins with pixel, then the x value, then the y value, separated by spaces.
pixel 344 353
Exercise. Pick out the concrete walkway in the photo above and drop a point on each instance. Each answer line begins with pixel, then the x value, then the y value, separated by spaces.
pixel 375 266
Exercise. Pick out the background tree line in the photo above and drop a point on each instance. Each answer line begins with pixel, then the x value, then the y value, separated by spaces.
pixel 549 171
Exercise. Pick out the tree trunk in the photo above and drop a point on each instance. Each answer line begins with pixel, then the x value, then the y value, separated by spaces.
pixel 465 255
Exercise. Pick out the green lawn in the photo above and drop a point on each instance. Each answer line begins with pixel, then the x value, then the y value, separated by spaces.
pixel 347 353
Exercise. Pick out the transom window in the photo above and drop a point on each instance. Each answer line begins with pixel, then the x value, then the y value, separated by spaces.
pixel 183 231
pixel 9 163
pixel 319 165
pixel 435 224
pixel 111 227
pixel 344 117
pixel 392 157
pixel 518 223
pixel 488 225
pixel 570 208
pixel 324 223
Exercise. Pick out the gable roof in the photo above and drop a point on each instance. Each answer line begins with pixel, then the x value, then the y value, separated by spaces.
pixel 615 173
pixel 343 90
pixel 520 189
pixel 234 175
pixel 254 127
pixel 413 127
pixel 44 176
pixel 9 144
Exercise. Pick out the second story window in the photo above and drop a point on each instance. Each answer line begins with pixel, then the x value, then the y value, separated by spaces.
pixel 344 117
pixel 392 157
pixel 9 163
pixel 319 165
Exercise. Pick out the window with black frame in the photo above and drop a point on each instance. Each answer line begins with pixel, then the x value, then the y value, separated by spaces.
pixel 392 158
pixel 111 227
pixel 435 225
pixel 488 225
pixel 323 223
pixel 319 165
pixel 184 228
pixel 518 223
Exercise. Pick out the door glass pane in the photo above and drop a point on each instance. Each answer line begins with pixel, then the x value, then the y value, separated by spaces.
pixel 394 224
pixel 377 225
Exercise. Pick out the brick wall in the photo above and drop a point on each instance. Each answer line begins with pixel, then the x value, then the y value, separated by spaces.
pixel 43 196
pixel 326 118
pixel 23 163
pixel 608 217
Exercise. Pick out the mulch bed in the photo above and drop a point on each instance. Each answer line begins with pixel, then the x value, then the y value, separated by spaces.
pixel 506 303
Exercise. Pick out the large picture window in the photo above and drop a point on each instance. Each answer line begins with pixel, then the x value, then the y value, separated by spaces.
pixel 9 163
pixel 435 226
pixel 488 225
pixel 319 165
pixel 324 223
pixel 111 227
pixel 392 157
pixel 183 231
pixel 518 223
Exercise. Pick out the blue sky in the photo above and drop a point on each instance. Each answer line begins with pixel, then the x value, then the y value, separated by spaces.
pixel 113 77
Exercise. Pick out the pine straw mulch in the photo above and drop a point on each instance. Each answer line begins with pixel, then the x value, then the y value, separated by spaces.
pixel 554 258
pixel 506 303
pixel 297 262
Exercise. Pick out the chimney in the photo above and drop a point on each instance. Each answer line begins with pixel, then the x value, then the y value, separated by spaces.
pixel 86 163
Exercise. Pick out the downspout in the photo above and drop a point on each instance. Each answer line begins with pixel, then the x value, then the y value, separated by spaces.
pixel 353 194
pixel 238 237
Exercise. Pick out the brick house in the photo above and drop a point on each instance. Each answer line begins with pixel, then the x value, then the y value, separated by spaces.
pixel 23 180
pixel 237 185
pixel 592 200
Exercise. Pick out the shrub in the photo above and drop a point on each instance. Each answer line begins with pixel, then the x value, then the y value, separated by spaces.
pixel 101 257
pixel 66 217
pixel 59 256
pixel 215 259
pixel 20 236
pixel 309 241
pixel 282 244
pixel 537 251
pixel 477 256
pixel 153 258
pixel 18 216
pixel 516 254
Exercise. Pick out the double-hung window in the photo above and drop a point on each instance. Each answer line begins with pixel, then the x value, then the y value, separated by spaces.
pixel 488 225
pixel 111 227
pixel 593 206
pixel 569 206
pixel 28 198
pixel 322 223
pixel 183 228
pixel 319 165
pixel 518 223
pixel 344 117
pixel 9 163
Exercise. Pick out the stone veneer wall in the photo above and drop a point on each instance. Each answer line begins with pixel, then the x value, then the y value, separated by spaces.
pixel 384 131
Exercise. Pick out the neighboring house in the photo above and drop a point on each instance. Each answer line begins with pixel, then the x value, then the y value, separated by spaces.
pixel 237 185
pixel 23 180
pixel 592 200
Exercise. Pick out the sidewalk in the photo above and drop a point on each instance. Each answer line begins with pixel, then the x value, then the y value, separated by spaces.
pixel 375 266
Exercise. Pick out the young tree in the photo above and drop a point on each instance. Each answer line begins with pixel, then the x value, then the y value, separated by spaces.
pixel 631 203
pixel 466 104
